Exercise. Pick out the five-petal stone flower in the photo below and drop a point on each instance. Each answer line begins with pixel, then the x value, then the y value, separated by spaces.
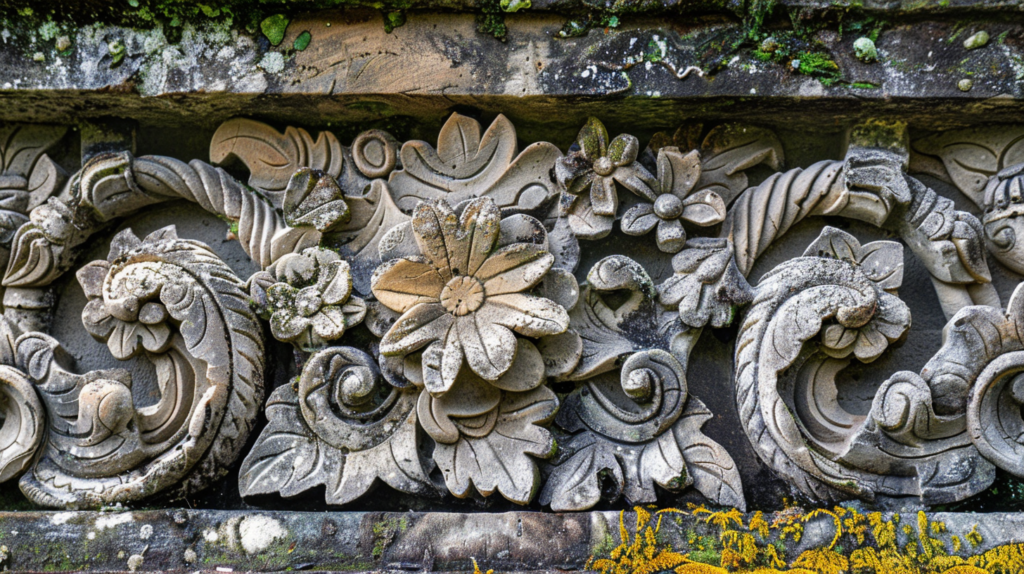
pixel 678 174
pixel 588 175
pixel 308 298
pixel 463 298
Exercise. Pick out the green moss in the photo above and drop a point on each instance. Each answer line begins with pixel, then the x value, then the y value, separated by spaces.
pixel 384 533
pixel 302 41
pixel 393 20
pixel 273 27
pixel 491 20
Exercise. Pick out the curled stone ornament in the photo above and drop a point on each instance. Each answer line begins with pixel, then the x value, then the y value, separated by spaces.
pixel 180 307
pixel 340 427
pixel 639 428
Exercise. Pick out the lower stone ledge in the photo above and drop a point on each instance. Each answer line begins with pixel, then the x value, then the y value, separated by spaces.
pixel 841 539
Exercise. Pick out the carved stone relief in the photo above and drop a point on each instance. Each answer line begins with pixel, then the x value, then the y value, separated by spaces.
pixel 447 343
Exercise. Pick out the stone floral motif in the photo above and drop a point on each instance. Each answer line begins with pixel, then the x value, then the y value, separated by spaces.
pixel 465 295
pixel 341 428
pixel 307 297
pixel 589 174
pixel 488 439
pixel 706 286
pixel 189 311
pixel 467 165
pixel 678 175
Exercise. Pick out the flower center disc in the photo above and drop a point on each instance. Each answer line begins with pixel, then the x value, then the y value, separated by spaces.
pixel 462 295
pixel 668 206
pixel 603 166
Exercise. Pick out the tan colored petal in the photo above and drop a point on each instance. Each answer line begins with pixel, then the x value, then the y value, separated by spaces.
pixel 515 268
pixel 401 284
pixel 526 314
pixel 527 371
pixel 418 327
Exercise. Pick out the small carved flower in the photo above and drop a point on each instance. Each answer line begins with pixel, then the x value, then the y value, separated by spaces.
pixel 463 298
pixel 307 298
pixel 882 263
pixel 588 175
pixel 678 174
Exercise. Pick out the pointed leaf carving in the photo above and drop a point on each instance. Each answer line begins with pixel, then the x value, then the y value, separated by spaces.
pixel 272 157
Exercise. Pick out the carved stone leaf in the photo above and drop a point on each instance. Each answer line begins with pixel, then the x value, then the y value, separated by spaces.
pixel 272 157
pixel 728 150
pixel 708 464
pixel 575 482
pixel 503 460
pixel 374 215
pixel 881 261
pixel 287 458
pixel 466 165
pixel 973 155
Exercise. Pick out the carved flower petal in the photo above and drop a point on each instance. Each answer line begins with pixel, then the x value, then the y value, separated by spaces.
pixel 623 149
pixel 671 236
pixel 435 421
pixel 281 295
pixel 604 196
pixel 286 325
pixel 92 276
pixel 335 282
pixel 429 223
pixel 526 314
pixel 329 322
pixel 678 173
pixel 515 268
pixel 584 222
pixel 870 344
pixel 581 183
pixel 637 179
pixel 418 327
pixel 452 357
pixel 489 347
pixel 527 370
pixel 593 139
pixel 97 320
pixel 704 208
pixel 639 219
pixel 401 284
pixel 479 228
pixel 354 310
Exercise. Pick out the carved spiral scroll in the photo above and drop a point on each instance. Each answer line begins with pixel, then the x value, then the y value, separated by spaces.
pixel 994 417
pixel 24 420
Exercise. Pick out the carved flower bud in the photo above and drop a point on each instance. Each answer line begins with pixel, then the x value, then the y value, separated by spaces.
pixel 638 384
pixel 313 198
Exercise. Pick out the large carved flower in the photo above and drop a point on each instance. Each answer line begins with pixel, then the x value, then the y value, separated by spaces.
pixel 588 175
pixel 307 298
pixel 463 298
pixel 678 174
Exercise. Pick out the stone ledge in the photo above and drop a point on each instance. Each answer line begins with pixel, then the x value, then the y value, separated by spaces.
pixel 211 540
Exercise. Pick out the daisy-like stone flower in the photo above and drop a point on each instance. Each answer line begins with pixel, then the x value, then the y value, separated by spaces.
pixel 588 175
pixel 307 298
pixel 678 174
pixel 465 295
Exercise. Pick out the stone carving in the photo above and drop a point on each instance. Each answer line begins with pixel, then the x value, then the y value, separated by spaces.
pixel 677 176
pixel 432 299
pixel 589 174
pixel 339 427
pixel 463 293
pixel 174 303
pixel 307 297
pixel 639 428
pixel 786 395
pixel 986 165
pixel 466 165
